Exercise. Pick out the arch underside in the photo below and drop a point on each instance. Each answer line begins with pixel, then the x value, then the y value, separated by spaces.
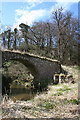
pixel 28 64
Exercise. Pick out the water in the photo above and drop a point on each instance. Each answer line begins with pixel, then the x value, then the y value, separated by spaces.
pixel 21 93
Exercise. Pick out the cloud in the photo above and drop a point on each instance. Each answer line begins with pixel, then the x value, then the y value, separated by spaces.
pixel 31 5
pixel 66 5
pixel 28 17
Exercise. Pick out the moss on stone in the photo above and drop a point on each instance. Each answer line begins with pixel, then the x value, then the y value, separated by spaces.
pixel 62 75
pixel 33 55
pixel 56 74
pixel 70 75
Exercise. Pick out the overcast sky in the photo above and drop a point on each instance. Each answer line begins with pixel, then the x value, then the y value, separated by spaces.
pixel 14 13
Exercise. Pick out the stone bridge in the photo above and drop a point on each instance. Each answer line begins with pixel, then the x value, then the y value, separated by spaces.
pixel 41 68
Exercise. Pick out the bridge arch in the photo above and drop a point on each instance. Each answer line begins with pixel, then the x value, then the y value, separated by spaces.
pixel 41 68
pixel 31 67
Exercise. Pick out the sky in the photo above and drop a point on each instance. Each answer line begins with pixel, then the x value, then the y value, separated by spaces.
pixel 28 11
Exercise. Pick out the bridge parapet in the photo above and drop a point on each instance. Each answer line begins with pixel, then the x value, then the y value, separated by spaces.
pixel 17 53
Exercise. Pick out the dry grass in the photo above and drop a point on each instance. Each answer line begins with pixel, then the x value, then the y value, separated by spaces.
pixel 74 70
pixel 58 102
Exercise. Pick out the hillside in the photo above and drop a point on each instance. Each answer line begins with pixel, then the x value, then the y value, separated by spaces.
pixel 59 101
pixel 74 70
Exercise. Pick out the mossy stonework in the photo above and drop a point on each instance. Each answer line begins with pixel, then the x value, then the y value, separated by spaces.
pixel 41 68
pixel 62 78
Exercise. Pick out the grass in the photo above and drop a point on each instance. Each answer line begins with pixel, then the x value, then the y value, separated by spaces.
pixel 71 101
pixel 64 89
pixel 47 105
pixel 58 94
pixel 60 101
pixel 26 108
pixel 74 70
pixel 52 103
pixel 8 64
pixel 74 101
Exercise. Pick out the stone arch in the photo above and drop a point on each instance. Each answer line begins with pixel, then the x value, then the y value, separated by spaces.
pixel 42 68
pixel 29 65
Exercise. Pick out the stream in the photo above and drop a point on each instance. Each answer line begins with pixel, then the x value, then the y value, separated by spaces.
pixel 21 92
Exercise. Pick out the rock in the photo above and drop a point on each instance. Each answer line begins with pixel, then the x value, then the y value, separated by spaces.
pixel 69 78
pixel 62 78
pixel 56 78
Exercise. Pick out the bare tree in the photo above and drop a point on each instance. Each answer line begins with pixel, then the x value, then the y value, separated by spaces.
pixel 62 22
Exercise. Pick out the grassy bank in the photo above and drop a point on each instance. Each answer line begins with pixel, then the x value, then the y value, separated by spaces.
pixel 74 70
pixel 59 101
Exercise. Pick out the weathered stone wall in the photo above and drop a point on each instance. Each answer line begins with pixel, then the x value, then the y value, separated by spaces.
pixel 42 68
pixel 46 69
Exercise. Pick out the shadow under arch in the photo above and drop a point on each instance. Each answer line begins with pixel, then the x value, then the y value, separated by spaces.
pixel 33 70
pixel 29 65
